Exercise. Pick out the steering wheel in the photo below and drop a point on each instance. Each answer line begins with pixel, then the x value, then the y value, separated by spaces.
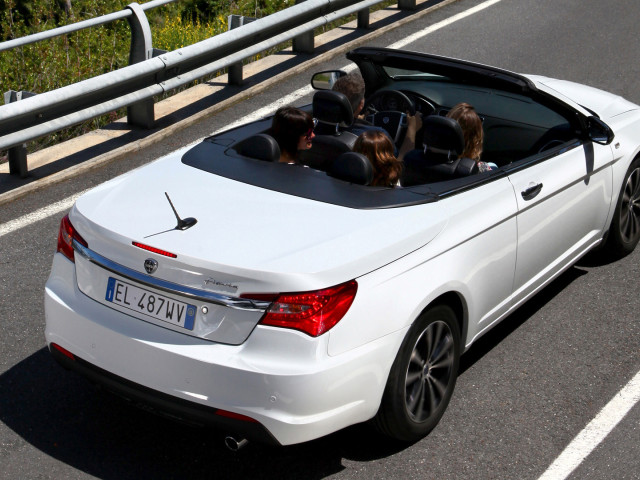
pixel 393 120
pixel 552 138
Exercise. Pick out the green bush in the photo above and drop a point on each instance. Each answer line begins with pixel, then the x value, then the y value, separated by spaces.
pixel 70 58
pixel 50 64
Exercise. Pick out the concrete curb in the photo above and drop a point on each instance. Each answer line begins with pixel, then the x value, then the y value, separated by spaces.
pixel 118 152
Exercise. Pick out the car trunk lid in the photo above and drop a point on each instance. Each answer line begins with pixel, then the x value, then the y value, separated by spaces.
pixel 246 239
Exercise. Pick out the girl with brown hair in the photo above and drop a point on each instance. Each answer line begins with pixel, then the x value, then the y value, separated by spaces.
pixel 471 125
pixel 378 148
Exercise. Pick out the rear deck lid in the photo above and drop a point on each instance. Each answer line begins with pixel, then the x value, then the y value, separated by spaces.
pixel 244 239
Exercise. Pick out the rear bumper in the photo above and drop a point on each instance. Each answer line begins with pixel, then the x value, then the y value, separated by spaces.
pixel 283 379
pixel 163 404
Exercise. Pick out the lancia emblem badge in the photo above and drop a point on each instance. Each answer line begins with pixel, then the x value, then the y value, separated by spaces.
pixel 385 120
pixel 150 265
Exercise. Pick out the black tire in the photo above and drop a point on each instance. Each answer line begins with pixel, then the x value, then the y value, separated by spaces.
pixel 624 233
pixel 422 378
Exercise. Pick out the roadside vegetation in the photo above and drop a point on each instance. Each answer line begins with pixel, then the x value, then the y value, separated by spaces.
pixel 68 59
pixel 54 63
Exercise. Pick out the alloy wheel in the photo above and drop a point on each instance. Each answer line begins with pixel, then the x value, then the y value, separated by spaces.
pixel 630 208
pixel 430 371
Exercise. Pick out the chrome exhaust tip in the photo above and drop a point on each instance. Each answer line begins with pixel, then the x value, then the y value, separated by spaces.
pixel 234 444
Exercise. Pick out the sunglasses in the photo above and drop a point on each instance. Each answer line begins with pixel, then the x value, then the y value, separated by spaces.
pixel 310 132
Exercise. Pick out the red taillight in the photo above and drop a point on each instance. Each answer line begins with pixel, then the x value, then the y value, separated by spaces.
pixel 313 313
pixel 66 235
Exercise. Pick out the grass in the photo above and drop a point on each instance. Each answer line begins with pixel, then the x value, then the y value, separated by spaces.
pixel 68 59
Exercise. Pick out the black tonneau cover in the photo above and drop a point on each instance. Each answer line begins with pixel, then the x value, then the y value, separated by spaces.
pixel 214 156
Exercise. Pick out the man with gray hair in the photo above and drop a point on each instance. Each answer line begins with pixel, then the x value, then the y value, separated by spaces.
pixel 352 86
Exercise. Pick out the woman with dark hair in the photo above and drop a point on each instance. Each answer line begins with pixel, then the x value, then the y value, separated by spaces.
pixel 377 147
pixel 292 128
pixel 471 124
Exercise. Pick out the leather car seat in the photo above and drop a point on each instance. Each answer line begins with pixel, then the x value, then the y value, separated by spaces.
pixel 332 110
pixel 443 142
pixel 352 167
pixel 260 146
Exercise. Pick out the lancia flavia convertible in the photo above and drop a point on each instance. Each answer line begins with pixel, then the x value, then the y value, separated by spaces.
pixel 281 303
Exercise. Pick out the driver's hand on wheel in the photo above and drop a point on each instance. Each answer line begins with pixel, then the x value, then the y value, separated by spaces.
pixel 414 123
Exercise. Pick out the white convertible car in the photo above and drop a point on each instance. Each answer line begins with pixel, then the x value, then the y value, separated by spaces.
pixel 283 303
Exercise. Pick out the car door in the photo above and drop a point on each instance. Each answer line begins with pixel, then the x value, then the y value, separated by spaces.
pixel 563 202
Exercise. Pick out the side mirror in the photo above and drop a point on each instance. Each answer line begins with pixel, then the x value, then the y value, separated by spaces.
pixel 325 80
pixel 598 131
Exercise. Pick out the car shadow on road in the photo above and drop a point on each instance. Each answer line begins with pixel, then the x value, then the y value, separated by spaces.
pixel 62 415
pixel 497 334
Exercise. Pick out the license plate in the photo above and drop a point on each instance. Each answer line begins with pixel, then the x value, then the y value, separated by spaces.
pixel 150 303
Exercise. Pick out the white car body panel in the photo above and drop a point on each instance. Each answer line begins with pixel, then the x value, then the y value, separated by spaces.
pixel 482 248
pixel 605 104
pixel 455 261
pixel 309 244
pixel 552 231
pixel 278 392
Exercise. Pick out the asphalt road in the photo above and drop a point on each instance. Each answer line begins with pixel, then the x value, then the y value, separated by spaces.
pixel 525 390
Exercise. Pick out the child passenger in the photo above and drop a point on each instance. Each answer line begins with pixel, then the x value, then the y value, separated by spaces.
pixel 378 148
pixel 471 126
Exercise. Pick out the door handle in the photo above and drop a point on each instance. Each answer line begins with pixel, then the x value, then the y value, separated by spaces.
pixel 531 192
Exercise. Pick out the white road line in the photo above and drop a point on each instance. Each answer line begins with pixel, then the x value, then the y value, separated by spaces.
pixel 272 107
pixel 595 432
pixel 264 111
pixel 33 217
pixel 38 215
pixel 294 96
pixel 444 23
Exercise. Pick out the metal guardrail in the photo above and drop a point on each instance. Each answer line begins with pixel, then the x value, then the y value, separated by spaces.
pixel 152 72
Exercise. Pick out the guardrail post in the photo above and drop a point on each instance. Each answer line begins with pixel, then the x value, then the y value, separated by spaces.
pixel 234 72
pixel 17 155
pixel 407 4
pixel 303 43
pixel 363 18
pixel 140 114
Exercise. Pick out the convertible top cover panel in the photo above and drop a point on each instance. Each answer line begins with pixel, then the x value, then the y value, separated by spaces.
pixel 213 156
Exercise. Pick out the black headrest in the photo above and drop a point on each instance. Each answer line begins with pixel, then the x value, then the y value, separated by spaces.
pixel 443 134
pixel 352 167
pixel 260 146
pixel 420 168
pixel 332 107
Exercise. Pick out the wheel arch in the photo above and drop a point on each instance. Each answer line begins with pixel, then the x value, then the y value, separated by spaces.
pixel 625 146
pixel 457 303
pixel 616 190
pixel 394 418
